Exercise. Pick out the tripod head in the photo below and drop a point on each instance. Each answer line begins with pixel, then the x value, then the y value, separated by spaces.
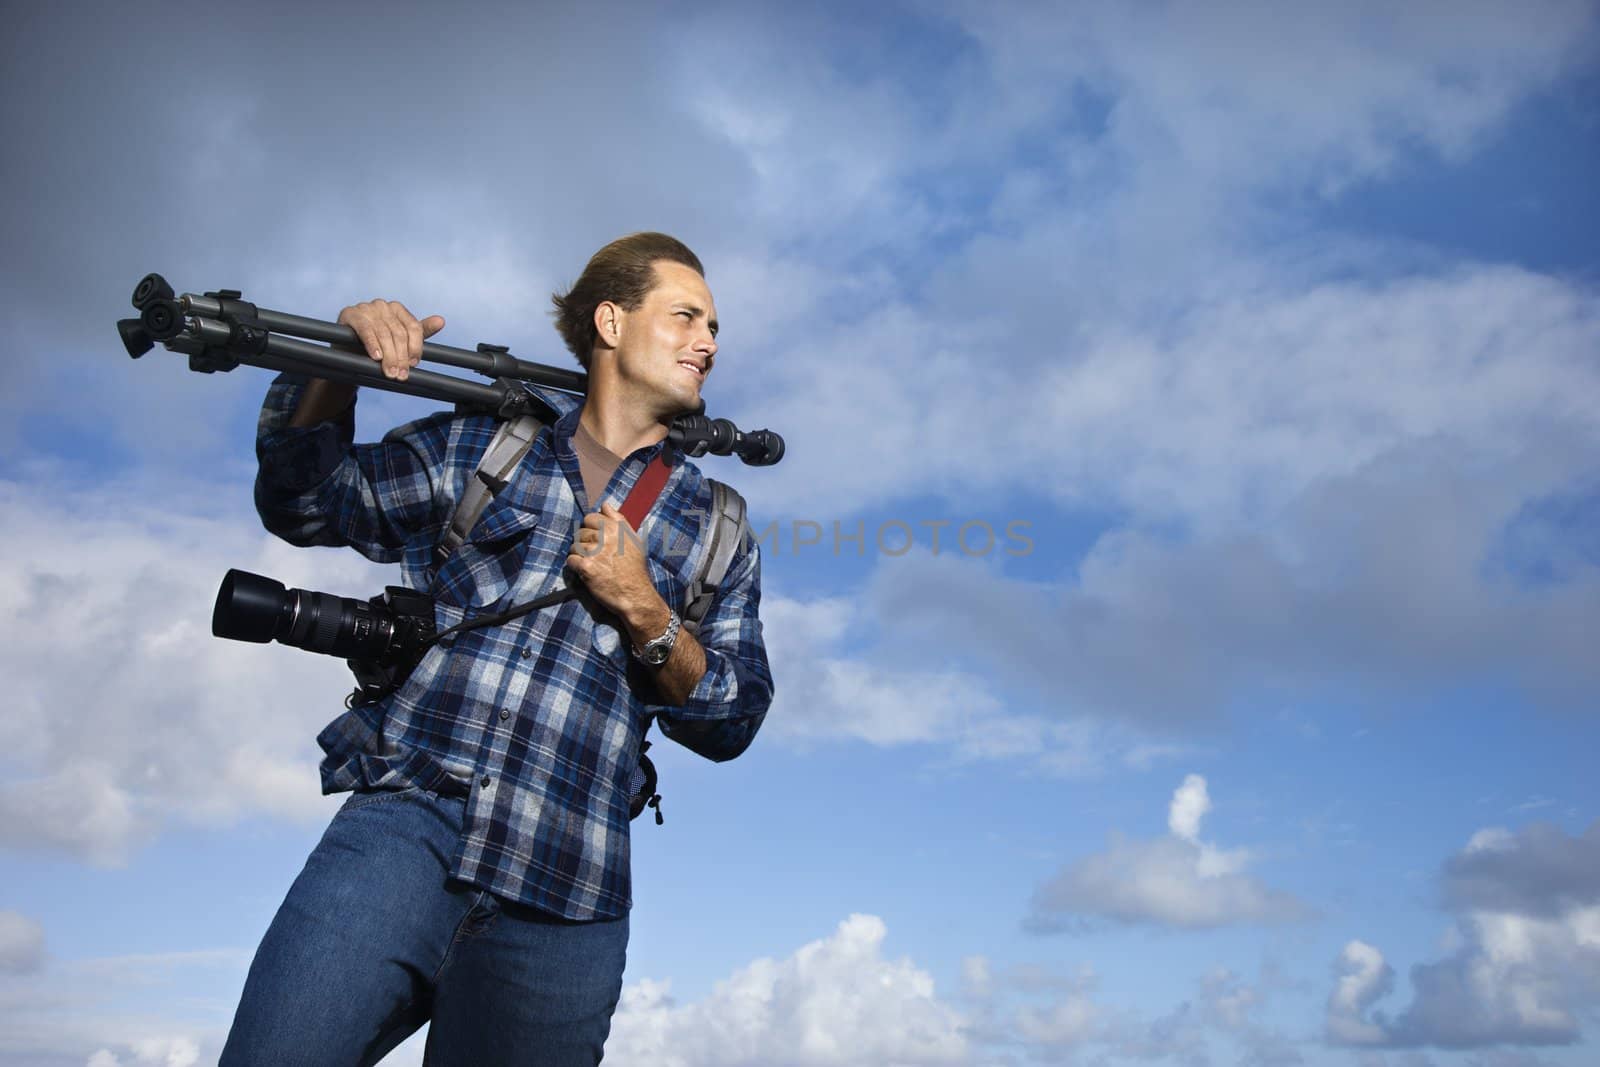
pixel 219 330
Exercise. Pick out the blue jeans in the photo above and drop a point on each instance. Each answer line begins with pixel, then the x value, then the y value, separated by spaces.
pixel 374 939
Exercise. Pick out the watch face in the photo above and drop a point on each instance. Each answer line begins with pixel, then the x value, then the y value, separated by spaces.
pixel 657 656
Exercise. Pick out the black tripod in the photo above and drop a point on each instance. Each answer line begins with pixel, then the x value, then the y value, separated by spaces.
pixel 220 330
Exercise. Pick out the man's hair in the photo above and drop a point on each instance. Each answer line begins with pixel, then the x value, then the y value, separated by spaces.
pixel 622 272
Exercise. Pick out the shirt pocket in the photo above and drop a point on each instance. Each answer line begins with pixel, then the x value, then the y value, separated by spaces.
pixel 493 558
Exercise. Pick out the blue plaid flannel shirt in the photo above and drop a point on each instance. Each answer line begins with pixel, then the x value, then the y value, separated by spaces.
pixel 537 722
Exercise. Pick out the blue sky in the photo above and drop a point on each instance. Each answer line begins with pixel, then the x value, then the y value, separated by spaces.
pixel 1276 326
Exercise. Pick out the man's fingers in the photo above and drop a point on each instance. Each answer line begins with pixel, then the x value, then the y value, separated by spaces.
pixel 414 341
pixel 593 540
pixel 397 353
pixel 406 333
pixel 610 511
pixel 369 339
pixel 373 333
pixel 391 334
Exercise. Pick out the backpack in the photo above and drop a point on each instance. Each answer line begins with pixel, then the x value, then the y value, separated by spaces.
pixel 729 522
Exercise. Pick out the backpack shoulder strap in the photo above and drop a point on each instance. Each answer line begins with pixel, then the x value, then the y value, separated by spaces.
pixel 513 438
pixel 729 523
pixel 511 442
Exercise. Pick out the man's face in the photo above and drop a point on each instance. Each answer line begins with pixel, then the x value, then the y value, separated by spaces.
pixel 667 343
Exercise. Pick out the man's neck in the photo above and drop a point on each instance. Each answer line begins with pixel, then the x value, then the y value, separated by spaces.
pixel 620 428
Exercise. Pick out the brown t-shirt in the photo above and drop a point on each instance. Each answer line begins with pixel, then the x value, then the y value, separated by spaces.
pixel 596 462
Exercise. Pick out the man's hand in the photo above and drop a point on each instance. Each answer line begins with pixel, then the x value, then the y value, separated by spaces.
pixel 610 558
pixel 392 335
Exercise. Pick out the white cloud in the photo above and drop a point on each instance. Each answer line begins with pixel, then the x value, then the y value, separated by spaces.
pixel 831 696
pixel 21 943
pixel 836 1001
pixel 1040 1015
pixel 1394 579
pixel 1525 966
pixel 1177 880
pixel 156 1052
pixel 1268 384
pixel 835 683
pixel 98 1011
pixel 1189 805
pixel 1196 374
pixel 1225 94
pixel 1232 1006
pixel 125 713
pixel 1073 1020
pixel 1364 978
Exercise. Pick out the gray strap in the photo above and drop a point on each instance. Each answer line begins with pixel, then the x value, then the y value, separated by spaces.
pixel 728 527
pixel 511 442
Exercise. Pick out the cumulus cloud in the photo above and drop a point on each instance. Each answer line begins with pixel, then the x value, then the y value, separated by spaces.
pixel 802 178
pixel 1082 206
pixel 1212 89
pixel 155 1052
pixel 1040 1009
pixel 836 1001
pixel 98 1011
pixel 1234 408
pixel 1177 880
pixel 838 685
pixel 1036 1014
pixel 1363 979
pixel 125 714
pixel 1234 1007
pixel 835 696
pixel 1189 805
pixel 21 943
pixel 1527 960
pixel 1540 871
pixel 1189 367
pixel 1393 579
pixel 1284 441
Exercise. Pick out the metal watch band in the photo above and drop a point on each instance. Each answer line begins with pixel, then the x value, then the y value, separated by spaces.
pixel 655 652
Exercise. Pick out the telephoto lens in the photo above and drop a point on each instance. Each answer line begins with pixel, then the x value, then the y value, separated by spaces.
pixel 253 608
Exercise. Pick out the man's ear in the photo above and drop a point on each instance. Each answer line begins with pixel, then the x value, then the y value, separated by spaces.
pixel 608 323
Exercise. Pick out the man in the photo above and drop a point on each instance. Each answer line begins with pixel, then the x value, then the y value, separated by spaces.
pixel 478 875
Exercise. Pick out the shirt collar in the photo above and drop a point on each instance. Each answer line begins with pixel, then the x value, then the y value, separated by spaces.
pixel 567 408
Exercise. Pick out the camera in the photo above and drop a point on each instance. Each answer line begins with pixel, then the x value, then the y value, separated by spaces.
pixel 382 638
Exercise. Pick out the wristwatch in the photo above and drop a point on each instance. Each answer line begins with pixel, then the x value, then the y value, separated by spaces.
pixel 655 653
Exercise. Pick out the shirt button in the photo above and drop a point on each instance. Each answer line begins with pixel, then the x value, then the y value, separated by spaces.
pixel 486 781
pixel 504 714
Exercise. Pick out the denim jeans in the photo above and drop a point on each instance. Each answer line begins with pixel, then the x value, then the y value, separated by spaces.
pixel 373 940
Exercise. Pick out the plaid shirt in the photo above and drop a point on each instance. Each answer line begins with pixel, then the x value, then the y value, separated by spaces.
pixel 537 722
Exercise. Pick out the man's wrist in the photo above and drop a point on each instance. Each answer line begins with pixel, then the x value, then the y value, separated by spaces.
pixel 322 401
pixel 656 651
pixel 647 621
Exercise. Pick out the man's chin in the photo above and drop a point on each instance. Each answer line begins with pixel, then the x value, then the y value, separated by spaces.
pixel 688 404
